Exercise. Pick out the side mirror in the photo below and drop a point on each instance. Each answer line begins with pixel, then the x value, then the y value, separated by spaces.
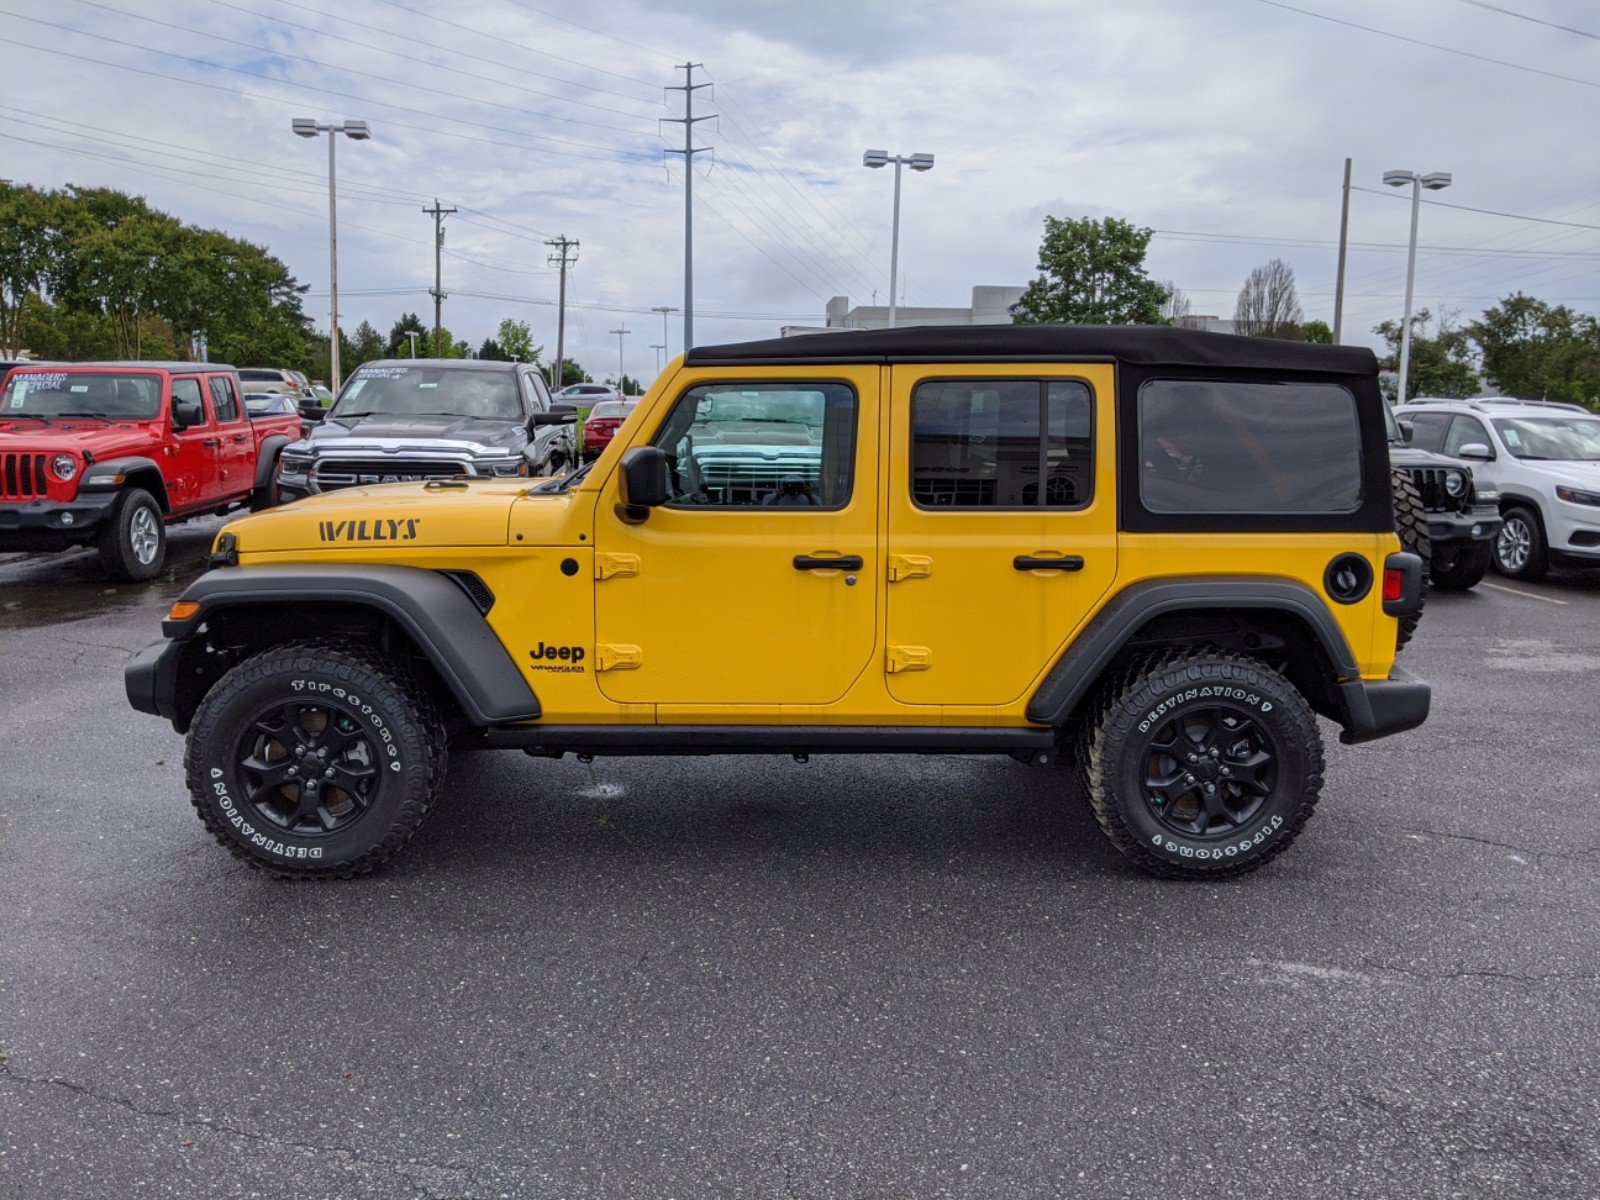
pixel 559 414
pixel 186 414
pixel 644 480
pixel 1478 450
pixel 1407 430
pixel 311 410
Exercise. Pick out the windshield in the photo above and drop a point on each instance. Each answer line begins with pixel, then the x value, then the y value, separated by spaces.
pixel 1570 439
pixel 429 391
pixel 260 375
pixel 115 395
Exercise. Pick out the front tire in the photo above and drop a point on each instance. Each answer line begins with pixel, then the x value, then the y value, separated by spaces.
pixel 315 760
pixel 133 543
pixel 1201 764
pixel 1464 570
pixel 1520 551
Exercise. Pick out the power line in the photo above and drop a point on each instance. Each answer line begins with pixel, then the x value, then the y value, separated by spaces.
pixel 496 37
pixel 201 62
pixel 1491 212
pixel 497 63
pixel 596 32
pixel 1525 17
pixel 1400 37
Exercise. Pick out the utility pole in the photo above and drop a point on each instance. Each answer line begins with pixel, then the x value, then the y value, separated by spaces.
pixel 621 333
pixel 438 215
pixel 563 260
pixel 664 310
pixel 1344 234
pixel 689 87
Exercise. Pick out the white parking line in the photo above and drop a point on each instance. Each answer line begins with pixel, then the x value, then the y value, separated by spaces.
pixel 1530 595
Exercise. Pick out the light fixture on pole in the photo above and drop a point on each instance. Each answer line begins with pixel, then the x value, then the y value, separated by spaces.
pixel 411 335
pixel 356 131
pixel 621 373
pixel 917 162
pixel 665 311
pixel 1434 181
pixel 658 348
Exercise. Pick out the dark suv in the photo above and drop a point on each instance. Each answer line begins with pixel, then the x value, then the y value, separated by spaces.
pixel 410 419
pixel 1443 514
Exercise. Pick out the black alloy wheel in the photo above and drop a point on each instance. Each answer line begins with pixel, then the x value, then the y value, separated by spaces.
pixel 1209 770
pixel 308 769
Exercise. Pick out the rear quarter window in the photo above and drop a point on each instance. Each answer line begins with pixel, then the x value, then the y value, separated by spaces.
pixel 1215 446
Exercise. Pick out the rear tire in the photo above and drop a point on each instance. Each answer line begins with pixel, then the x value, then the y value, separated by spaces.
pixel 133 542
pixel 1174 725
pixel 1464 571
pixel 315 760
pixel 1520 551
pixel 1411 524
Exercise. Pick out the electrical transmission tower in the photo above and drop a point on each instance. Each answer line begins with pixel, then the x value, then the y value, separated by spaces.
pixel 688 87
pixel 437 290
pixel 566 253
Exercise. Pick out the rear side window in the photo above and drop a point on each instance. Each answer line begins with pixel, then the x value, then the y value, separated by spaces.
pixel 222 400
pixel 1212 446
pixel 1001 443
pixel 186 391
pixel 1427 430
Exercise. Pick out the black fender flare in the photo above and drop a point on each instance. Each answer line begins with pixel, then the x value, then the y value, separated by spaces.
pixel 433 610
pixel 1078 669
pixel 103 476
pixel 267 457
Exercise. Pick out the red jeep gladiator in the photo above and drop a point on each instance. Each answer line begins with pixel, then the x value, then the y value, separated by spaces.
pixel 113 453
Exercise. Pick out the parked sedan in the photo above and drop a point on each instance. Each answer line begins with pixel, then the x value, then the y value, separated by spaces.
pixel 603 422
pixel 273 379
pixel 587 395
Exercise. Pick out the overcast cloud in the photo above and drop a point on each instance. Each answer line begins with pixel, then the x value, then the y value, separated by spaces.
pixel 1208 117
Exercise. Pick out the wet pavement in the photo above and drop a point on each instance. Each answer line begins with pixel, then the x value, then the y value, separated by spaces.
pixel 859 977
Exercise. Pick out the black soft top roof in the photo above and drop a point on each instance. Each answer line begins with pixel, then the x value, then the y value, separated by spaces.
pixel 1143 345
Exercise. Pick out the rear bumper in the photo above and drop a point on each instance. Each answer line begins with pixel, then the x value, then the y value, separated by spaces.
pixel 1377 708
pixel 52 524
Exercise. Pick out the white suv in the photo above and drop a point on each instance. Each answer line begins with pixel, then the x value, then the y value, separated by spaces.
pixel 1543 457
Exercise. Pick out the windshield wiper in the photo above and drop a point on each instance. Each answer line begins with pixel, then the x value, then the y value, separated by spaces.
pixel 33 416
pixel 566 482
pixel 95 415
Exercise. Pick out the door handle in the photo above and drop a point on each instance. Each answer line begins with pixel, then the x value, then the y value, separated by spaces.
pixel 1031 562
pixel 210 442
pixel 240 437
pixel 808 562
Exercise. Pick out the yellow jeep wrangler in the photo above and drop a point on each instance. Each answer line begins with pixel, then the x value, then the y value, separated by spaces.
pixel 1148 554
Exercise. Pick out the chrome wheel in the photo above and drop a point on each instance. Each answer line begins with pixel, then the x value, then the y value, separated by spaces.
pixel 144 535
pixel 1514 545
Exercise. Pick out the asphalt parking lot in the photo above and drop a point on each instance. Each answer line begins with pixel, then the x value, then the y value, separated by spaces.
pixel 874 977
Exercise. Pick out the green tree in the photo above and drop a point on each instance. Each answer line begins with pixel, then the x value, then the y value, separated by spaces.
pixel 364 347
pixel 516 339
pixel 399 346
pixel 493 351
pixel 571 373
pixel 1539 352
pixel 1318 332
pixel 1092 273
pixel 28 249
pixel 630 386
pixel 1440 365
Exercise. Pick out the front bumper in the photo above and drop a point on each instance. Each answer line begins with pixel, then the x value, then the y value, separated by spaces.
pixel 1480 523
pixel 45 524
pixel 151 680
pixel 1377 708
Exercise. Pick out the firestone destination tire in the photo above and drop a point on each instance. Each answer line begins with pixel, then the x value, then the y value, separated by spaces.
pixel 1201 764
pixel 315 759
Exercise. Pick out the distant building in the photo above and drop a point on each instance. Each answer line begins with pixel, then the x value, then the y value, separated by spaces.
pixel 1206 324
pixel 991 305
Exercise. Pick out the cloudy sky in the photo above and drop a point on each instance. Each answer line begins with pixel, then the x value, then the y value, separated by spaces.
pixel 1222 124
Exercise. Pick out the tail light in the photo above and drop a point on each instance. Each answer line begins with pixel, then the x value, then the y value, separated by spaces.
pixel 1394 583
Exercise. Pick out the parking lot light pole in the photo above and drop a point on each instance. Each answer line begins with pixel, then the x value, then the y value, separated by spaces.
pixel 621 333
pixel 917 162
pixel 356 131
pixel 658 348
pixel 665 311
pixel 1434 181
